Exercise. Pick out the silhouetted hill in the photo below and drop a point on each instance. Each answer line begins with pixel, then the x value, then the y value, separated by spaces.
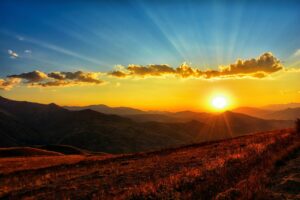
pixel 230 124
pixel 252 111
pixel 63 149
pixel 285 114
pixel 108 110
pixel 171 117
pixel 26 124
pixel 277 107
pixel 155 118
pixel 88 129
pixel 26 152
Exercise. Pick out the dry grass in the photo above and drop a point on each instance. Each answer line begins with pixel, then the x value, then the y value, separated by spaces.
pixel 225 169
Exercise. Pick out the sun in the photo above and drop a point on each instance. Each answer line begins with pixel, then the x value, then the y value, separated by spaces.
pixel 219 102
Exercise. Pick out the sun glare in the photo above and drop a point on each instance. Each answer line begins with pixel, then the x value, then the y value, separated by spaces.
pixel 219 102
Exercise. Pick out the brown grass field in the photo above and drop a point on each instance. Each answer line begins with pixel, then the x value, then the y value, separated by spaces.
pixel 239 168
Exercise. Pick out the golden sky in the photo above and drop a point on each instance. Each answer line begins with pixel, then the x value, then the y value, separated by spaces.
pixel 159 88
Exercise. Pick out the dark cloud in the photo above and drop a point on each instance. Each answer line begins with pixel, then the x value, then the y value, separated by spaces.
pixel 88 77
pixel 37 78
pixel 119 74
pixel 31 77
pixel 266 63
pixel 142 71
pixel 79 76
pixel 256 68
pixel 56 83
pixel 56 75
pixel 152 70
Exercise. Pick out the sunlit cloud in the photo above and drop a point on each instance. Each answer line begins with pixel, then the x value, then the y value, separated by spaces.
pixel 38 78
pixel 256 68
pixel 30 77
pixel 12 54
pixel 9 83
pixel 260 67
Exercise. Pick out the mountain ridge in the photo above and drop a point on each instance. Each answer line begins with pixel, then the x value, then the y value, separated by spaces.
pixel 28 123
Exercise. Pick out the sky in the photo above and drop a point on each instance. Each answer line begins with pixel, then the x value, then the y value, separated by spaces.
pixel 166 55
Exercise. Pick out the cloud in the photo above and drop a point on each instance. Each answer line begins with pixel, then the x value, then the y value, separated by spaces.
pixel 12 53
pixel 266 63
pixel 7 84
pixel 296 53
pixel 79 76
pixel 31 77
pixel 259 67
pixel 119 74
pixel 38 78
pixel 256 68
pixel 28 51
pixel 142 71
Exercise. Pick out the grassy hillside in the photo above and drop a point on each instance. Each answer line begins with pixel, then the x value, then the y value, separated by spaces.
pixel 226 169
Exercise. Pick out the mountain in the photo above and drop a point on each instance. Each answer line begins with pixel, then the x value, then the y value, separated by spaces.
pixel 277 107
pixel 25 124
pixel 143 116
pixel 183 116
pixel 285 114
pixel 252 111
pixel 230 124
pixel 38 124
pixel 154 118
pixel 108 110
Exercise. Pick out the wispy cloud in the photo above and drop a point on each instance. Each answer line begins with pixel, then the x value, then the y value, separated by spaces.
pixel 27 51
pixel 12 54
pixel 296 53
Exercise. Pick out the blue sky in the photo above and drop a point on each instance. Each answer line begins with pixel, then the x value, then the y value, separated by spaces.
pixel 97 35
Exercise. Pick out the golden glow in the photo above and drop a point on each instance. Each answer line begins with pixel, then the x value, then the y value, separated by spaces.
pixel 170 93
pixel 219 102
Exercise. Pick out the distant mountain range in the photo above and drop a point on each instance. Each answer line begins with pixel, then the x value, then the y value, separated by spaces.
pixel 25 124
pixel 108 110
pixel 277 107
pixel 276 111
pixel 285 114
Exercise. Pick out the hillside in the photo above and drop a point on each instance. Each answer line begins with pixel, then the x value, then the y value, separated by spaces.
pixel 26 124
pixel 227 169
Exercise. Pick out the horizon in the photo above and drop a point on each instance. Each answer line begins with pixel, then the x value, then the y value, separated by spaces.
pixel 265 107
pixel 151 55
